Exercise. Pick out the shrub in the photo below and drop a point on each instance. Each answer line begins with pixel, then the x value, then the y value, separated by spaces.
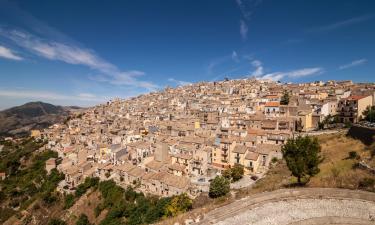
pixel 219 186
pixel 179 204
pixel 237 172
pixel 227 174
pixel 56 221
pixel 274 160
pixel 353 155
pixel 69 201
pixel 83 220
pixel 366 183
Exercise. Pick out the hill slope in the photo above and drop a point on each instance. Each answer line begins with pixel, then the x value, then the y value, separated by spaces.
pixel 33 115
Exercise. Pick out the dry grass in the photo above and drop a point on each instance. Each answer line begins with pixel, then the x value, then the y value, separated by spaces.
pixel 337 170
pixel 277 177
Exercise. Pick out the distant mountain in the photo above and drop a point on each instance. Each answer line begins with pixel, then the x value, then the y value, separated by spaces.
pixel 20 120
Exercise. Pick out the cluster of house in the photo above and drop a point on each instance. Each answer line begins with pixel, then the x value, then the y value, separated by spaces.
pixel 177 139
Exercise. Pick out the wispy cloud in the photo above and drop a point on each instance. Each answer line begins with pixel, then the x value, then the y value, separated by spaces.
pixel 353 64
pixel 8 54
pixel 341 24
pixel 243 29
pixel 179 82
pixel 47 95
pixel 216 62
pixel 246 7
pixel 258 68
pixel 259 72
pixel 73 54
pixel 293 74
pixel 235 56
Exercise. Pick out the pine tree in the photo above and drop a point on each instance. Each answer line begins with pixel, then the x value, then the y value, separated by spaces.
pixel 302 156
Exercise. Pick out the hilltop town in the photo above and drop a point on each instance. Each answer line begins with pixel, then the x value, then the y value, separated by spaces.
pixel 178 139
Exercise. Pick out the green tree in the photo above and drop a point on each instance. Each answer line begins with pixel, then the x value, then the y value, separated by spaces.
pixel 237 172
pixel 227 174
pixel 179 204
pixel 219 186
pixel 83 220
pixel 302 156
pixel 369 114
pixel 285 98
pixel 56 221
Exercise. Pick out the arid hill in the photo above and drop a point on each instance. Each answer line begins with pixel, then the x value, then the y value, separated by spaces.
pixel 20 120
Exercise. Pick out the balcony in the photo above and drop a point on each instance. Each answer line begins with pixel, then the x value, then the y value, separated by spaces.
pixel 224 161
pixel 225 154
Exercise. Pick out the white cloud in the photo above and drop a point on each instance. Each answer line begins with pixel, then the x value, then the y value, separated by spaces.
pixel 47 95
pixel 293 74
pixel 243 29
pixel 259 72
pixel 235 56
pixel 179 82
pixel 8 54
pixel 341 24
pixel 353 64
pixel 72 54
pixel 258 68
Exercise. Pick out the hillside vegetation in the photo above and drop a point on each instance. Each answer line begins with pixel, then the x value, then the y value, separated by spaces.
pixel 20 120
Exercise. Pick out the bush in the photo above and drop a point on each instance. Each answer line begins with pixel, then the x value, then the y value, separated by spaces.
pixel 366 183
pixel 56 221
pixel 179 204
pixel 234 174
pixel 219 186
pixel 69 201
pixel 237 172
pixel 227 174
pixel 98 209
pixel 353 155
pixel 83 220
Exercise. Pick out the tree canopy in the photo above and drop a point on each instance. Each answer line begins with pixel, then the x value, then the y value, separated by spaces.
pixel 285 98
pixel 369 114
pixel 302 155
pixel 219 186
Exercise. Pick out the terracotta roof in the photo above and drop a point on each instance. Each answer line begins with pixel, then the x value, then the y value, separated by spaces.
pixel 136 172
pixel 252 156
pixel 176 166
pixel 183 156
pixel 125 167
pixel 240 149
pixel 154 165
pixel 356 97
pixel 272 104
pixel 266 149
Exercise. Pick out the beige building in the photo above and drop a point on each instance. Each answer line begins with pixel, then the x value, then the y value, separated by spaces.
pixel 305 118
pixel 350 109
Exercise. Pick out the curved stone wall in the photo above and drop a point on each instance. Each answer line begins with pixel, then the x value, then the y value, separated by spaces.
pixel 311 206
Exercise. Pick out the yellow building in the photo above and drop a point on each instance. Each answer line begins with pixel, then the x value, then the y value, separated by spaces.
pixel 306 120
pixel 252 162
pixel 35 133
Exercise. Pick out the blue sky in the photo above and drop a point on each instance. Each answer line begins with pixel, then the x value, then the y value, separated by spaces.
pixel 83 53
